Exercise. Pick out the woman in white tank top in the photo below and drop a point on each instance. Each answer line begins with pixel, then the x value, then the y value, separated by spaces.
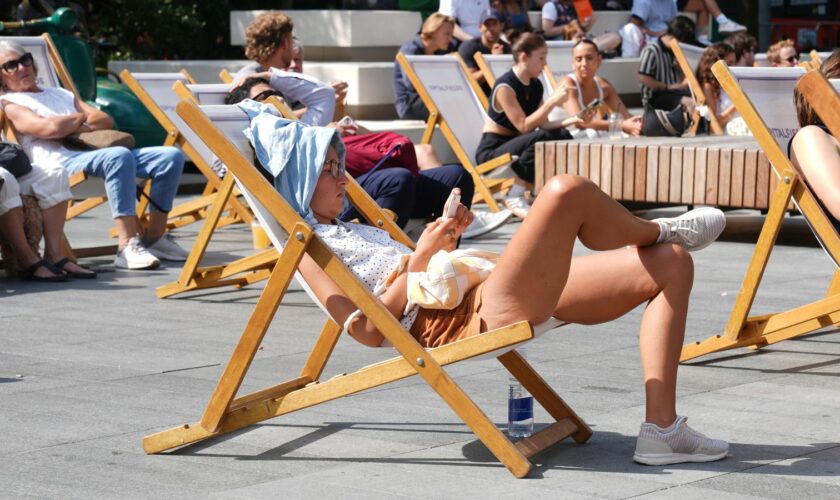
pixel 585 86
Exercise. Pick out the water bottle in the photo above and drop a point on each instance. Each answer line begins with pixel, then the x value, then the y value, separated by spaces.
pixel 520 408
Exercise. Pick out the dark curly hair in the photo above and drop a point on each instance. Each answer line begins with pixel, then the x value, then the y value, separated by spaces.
pixel 712 54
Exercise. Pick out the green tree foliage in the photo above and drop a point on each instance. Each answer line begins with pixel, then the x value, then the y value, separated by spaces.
pixel 163 29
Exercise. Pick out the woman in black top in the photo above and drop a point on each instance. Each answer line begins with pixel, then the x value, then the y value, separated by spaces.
pixel 516 112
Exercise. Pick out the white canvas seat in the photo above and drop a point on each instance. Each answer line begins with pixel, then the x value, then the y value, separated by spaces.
pixel 221 128
pixel 764 98
pixel 455 104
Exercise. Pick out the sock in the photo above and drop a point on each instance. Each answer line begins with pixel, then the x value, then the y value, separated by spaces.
pixel 663 232
pixel 516 191
pixel 670 428
pixel 721 18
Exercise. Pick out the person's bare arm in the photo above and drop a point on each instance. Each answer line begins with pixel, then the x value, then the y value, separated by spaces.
pixel 550 30
pixel 96 118
pixel 653 83
pixel 506 99
pixel 460 34
pixel 28 122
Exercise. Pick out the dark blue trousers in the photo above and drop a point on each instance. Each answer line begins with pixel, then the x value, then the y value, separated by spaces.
pixel 410 198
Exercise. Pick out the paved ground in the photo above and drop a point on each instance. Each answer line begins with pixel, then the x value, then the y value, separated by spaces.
pixel 88 369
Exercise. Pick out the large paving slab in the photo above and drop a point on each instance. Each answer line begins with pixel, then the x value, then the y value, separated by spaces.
pixel 89 368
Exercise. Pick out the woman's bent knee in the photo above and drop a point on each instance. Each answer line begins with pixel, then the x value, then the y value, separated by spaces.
pixel 566 187
pixel 674 263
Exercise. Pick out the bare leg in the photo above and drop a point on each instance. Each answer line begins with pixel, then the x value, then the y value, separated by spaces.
pixel 54 218
pixel 426 156
pixel 11 226
pixel 605 286
pixel 817 156
pixel 536 262
pixel 157 225
pixel 127 227
pixel 701 8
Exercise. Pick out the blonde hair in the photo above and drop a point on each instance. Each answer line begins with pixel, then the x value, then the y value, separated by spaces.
pixel 434 23
pixel 774 53
pixel 266 34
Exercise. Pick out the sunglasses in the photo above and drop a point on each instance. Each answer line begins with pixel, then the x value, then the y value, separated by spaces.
pixel 336 170
pixel 265 94
pixel 25 60
pixel 792 59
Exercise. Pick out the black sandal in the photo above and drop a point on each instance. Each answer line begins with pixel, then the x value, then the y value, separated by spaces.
pixel 29 273
pixel 75 275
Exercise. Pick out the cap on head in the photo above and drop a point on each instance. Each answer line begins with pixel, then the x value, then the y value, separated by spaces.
pixel 490 14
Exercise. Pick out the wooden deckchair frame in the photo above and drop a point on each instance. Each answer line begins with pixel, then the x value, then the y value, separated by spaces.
pixel 193 210
pixel 484 187
pixel 75 208
pixel 759 331
pixel 225 76
pixel 696 91
pixel 250 269
pixel 225 412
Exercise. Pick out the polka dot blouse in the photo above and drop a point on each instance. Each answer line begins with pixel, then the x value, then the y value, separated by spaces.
pixel 369 252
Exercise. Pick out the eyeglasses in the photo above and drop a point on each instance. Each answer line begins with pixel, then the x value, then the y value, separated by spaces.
pixel 335 169
pixel 792 58
pixel 265 94
pixel 25 60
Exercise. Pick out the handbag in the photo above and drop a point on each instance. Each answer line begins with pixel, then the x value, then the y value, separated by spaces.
pixel 14 160
pixel 379 150
pixel 98 139
pixel 664 123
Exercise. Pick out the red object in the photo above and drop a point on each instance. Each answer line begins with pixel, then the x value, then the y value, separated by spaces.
pixel 583 9
pixel 365 151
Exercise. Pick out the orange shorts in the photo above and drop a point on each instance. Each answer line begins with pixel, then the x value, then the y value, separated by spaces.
pixel 436 327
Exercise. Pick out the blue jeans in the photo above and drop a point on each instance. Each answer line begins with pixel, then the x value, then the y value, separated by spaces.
pixel 120 167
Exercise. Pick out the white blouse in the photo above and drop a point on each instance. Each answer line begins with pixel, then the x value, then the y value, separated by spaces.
pixel 52 101
pixel 370 253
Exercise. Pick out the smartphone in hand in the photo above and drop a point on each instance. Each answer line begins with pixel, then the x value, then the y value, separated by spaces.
pixel 589 107
pixel 450 208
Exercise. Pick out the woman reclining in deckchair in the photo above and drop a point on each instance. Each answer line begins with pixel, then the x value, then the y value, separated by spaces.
pixel 534 279
pixel 815 152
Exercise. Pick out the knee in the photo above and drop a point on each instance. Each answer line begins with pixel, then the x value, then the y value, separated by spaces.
pixel 400 179
pixel 676 264
pixel 567 188
pixel 171 160
pixel 119 159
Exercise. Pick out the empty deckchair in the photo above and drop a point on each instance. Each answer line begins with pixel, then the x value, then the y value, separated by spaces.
pixel 53 73
pixel 688 68
pixel 294 239
pixel 154 90
pixel 764 98
pixel 458 108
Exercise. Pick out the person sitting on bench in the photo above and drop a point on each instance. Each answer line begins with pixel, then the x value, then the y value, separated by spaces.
pixel 815 152
pixel 585 85
pixel 535 278
pixel 517 116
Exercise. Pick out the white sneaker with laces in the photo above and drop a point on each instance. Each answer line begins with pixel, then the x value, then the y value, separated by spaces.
pixel 165 248
pixel 679 444
pixel 485 222
pixel 730 26
pixel 135 256
pixel 518 205
pixel 693 230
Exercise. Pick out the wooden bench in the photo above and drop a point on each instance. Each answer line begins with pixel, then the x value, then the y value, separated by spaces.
pixel 719 171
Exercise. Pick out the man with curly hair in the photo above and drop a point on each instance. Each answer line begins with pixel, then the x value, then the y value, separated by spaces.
pixel 269 44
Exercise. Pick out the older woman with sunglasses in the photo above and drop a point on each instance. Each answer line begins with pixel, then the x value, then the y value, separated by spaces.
pixel 43 117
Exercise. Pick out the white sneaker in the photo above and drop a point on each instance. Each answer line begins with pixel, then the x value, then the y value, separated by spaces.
pixel 485 222
pixel 518 205
pixel 135 256
pixel 165 248
pixel 693 230
pixel 704 40
pixel 730 26
pixel 655 446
